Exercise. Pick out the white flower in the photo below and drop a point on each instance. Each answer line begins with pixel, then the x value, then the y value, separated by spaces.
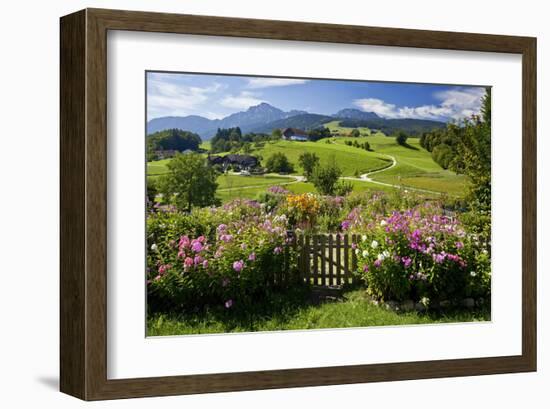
pixel 383 223
pixel 357 251
pixel 473 273
pixel 364 237
pixel 374 244
pixel 382 256
pixel 365 253
pixel 154 247
pixel 424 301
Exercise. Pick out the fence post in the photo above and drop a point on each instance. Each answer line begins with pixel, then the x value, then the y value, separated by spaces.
pixel 330 260
pixel 346 259
pixel 323 260
pixel 315 258
pixel 338 259
pixel 353 255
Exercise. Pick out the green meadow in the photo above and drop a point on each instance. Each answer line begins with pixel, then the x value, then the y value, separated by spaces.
pixel 414 167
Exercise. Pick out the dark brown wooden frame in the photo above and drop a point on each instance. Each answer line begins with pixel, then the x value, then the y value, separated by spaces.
pixel 84 203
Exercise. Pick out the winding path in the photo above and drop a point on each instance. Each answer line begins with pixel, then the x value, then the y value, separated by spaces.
pixel 366 177
pixel 296 179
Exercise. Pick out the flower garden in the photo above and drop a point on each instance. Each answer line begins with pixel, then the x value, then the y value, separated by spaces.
pixel 214 268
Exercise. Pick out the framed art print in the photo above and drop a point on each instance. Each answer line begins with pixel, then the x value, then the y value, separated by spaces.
pixel 252 204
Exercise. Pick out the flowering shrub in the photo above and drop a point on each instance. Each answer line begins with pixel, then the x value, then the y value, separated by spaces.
pixel 228 263
pixel 302 209
pixel 420 254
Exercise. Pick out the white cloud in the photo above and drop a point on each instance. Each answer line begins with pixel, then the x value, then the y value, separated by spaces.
pixel 165 97
pixel 455 104
pixel 243 100
pixel 273 82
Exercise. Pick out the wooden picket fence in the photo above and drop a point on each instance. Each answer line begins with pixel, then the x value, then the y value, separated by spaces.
pixel 326 260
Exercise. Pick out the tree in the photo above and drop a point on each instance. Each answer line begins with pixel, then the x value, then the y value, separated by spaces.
pixel 325 178
pixel 172 139
pixel 355 133
pixel 308 161
pixel 276 134
pixel 473 155
pixel 279 163
pixel 443 154
pixel 190 181
pixel 401 138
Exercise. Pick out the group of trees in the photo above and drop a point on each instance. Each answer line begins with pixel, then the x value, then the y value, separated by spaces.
pixel 232 139
pixel 318 133
pixel 465 148
pixel 172 139
pixel 365 145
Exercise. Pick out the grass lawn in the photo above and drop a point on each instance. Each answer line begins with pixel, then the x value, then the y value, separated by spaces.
pixel 295 311
pixel 415 166
pixel 350 159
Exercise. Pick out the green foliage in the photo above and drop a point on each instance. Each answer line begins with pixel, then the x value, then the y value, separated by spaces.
pixel 308 161
pixel 319 133
pixel 343 188
pixel 473 156
pixel 401 138
pixel 276 134
pixel 443 155
pixel 355 133
pixel 325 178
pixel 413 127
pixel 172 139
pixel 279 163
pixel 233 140
pixel 190 181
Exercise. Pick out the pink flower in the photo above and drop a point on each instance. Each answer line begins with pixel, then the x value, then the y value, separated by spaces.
pixel 226 237
pixel 277 250
pixel 228 303
pixel 238 265
pixel 201 239
pixel 252 257
pixel 184 241
pixel 197 260
pixel 188 262
pixel 164 268
pixel 353 246
pixel 407 261
pixel 205 263
pixel 366 268
pixel 459 245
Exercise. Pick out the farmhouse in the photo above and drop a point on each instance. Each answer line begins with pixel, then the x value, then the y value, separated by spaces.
pixel 293 134
pixel 238 162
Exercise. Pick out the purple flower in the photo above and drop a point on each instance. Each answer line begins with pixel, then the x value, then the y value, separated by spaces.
pixel 345 225
pixel 228 303
pixel 238 265
pixel 407 261
pixel 439 258
pixel 205 263
pixel 366 268
pixel 353 246
pixel 197 260
pixel 459 245
pixel 277 250
pixel 252 257
pixel 196 246
pixel 221 228
pixel 377 263
pixel 226 237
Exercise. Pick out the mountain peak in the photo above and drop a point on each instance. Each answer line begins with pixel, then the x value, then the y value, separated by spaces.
pixel 353 113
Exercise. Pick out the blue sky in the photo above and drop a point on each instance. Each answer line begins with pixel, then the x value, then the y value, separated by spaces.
pixel 216 96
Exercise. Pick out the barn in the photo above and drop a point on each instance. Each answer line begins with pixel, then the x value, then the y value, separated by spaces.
pixel 294 134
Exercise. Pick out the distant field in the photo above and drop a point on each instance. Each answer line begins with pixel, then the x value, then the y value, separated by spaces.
pixel 415 166
pixel 350 159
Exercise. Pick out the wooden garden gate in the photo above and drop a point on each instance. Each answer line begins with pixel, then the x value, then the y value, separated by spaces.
pixel 326 260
